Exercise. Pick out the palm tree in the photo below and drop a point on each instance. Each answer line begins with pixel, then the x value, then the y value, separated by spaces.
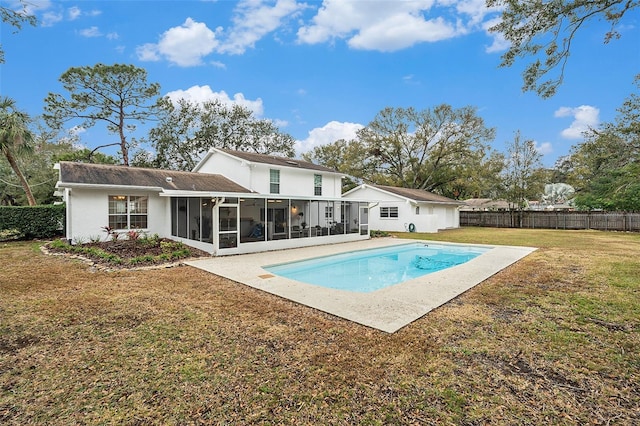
pixel 15 138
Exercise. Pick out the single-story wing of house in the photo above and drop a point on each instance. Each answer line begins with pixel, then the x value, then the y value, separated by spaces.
pixel 396 209
pixel 232 202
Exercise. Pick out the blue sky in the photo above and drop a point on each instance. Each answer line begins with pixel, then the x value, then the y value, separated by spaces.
pixel 322 69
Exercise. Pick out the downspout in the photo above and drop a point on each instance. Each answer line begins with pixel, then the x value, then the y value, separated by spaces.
pixel 67 199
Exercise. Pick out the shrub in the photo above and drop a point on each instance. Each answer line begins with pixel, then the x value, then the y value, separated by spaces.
pixel 171 246
pixel 142 259
pixel 30 222
pixel 376 233
pixel 179 254
pixel 59 244
pixel 133 234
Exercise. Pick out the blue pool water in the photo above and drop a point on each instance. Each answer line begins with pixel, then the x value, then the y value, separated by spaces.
pixel 369 270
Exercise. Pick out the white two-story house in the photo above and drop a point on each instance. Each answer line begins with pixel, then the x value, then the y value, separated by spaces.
pixel 233 202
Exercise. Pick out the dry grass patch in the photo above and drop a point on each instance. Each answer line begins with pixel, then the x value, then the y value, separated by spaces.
pixel 553 339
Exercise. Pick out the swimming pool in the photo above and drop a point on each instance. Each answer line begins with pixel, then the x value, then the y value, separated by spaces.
pixel 366 271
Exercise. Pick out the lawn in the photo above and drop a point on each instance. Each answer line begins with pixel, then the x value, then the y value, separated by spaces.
pixel 553 339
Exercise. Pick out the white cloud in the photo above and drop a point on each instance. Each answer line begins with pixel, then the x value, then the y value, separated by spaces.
pixel 543 148
pixel 499 43
pixel 74 13
pixel 148 52
pixel 185 45
pixel 401 31
pixel 58 14
pixel 585 117
pixel 90 32
pixel 201 94
pixel 391 26
pixel 253 20
pixel 327 134
pixel 49 19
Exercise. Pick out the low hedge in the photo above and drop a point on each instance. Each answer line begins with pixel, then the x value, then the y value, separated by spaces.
pixel 33 222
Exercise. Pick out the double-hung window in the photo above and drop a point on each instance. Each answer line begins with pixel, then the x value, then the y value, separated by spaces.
pixel 128 211
pixel 274 181
pixel 388 212
pixel 317 184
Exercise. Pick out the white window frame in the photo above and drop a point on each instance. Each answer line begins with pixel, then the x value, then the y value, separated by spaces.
pixel 317 184
pixel 388 212
pixel 274 181
pixel 129 206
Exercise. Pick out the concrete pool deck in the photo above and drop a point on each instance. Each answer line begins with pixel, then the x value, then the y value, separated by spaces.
pixel 388 309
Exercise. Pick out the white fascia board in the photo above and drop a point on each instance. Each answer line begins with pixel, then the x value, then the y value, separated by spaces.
pixel 213 151
pixel 205 194
pixel 446 203
pixel 174 193
pixel 402 197
pixel 201 162
pixel 114 187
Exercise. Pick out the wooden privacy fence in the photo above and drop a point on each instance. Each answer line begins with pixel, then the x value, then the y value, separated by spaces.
pixel 604 221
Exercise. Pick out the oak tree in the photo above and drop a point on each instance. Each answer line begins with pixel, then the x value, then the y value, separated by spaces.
pixel 604 169
pixel 187 130
pixel 15 18
pixel 423 149
pixel 544 32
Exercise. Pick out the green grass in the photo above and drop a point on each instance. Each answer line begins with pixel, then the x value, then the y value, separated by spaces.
pixel 553 339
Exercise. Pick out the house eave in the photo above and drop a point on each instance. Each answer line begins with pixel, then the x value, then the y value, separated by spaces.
pixel 402 197
pixel 205 194
pixel 77 185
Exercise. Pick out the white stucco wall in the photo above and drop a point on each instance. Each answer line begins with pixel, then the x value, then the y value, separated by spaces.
pixel 431 217
pixel 294 182
pixel 88 213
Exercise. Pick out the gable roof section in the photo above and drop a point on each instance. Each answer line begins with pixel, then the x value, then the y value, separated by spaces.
pixel 72 174
pixel 269 159
pixel 417 195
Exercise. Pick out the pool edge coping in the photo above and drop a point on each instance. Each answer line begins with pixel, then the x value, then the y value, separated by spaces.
pixel 388 309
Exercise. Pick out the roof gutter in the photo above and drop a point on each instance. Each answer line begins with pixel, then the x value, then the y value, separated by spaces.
pixel 60 184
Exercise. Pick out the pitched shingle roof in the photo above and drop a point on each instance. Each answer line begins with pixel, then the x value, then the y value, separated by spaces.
pixel 106 174
pixel 277 161
pixel 418 194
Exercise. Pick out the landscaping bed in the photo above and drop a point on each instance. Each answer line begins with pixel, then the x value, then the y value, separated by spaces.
pixel 139 252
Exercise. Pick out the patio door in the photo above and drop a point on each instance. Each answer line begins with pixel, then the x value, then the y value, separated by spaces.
pixel 228 226
pixel 364 220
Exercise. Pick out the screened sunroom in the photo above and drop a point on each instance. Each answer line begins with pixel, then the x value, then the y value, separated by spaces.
pixel 233 224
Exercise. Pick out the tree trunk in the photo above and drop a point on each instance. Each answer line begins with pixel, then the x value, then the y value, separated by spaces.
pixel 23 180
